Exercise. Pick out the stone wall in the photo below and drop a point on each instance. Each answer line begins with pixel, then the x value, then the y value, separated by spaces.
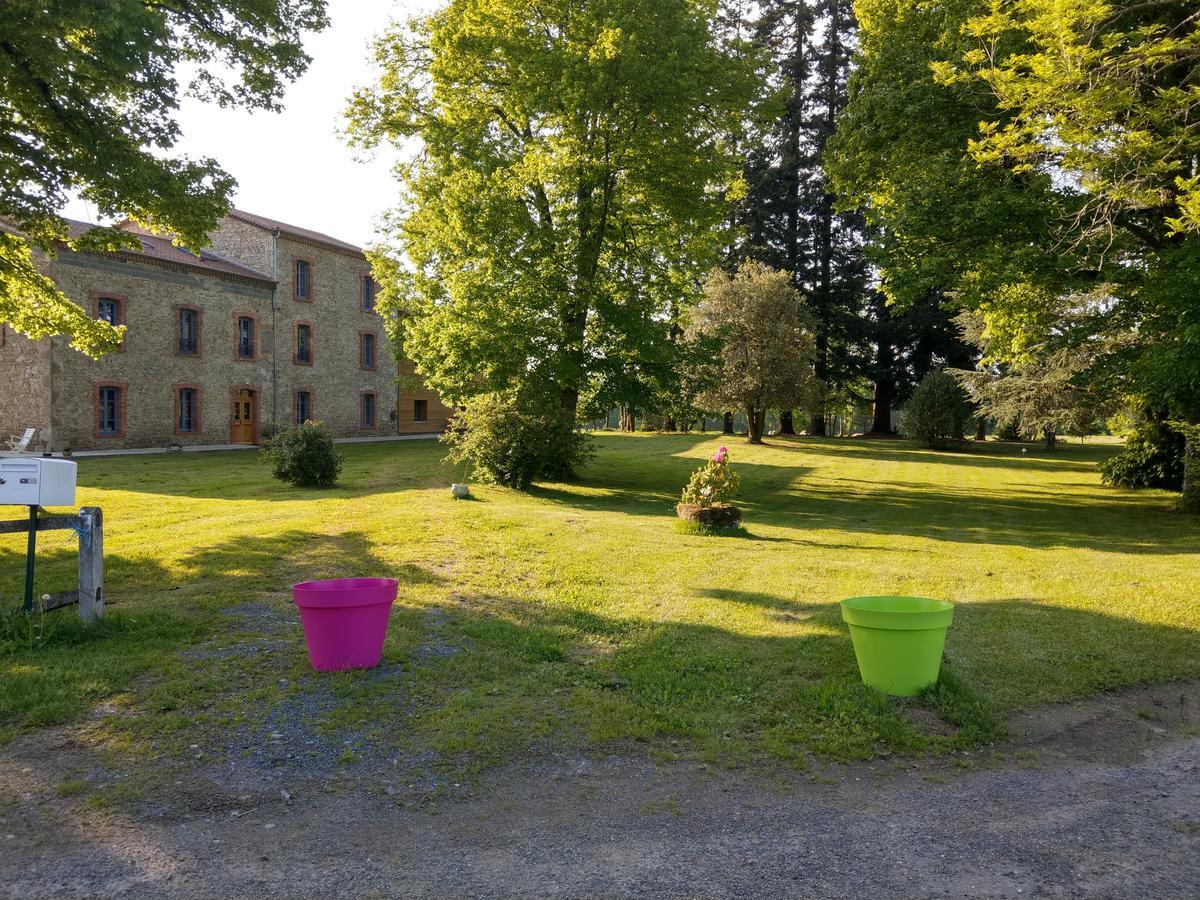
pixel 149 366
pixel 24 385
pixel 244 243
pixel 335 377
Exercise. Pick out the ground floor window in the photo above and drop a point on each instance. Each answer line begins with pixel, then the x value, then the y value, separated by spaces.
pixel 189 411
pixel 109 413
pixel 368 410
pixel 420 410
pixel 303 407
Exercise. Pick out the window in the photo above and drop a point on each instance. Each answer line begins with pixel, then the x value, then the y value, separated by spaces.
pixel 368 293
pixel 109 412
pixel 367 356
pixel 109 310
pixel 302 283
pixel 245 347
pixel 303 407
pixel 304 344
pixel 189 411
pixel 189 332
pixel 420 410
pixel 368 410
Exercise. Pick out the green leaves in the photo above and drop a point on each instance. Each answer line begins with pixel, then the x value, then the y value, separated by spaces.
pixel 568 189
pixel 88 94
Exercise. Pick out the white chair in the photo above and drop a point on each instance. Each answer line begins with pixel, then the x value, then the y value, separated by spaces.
pixel 20 443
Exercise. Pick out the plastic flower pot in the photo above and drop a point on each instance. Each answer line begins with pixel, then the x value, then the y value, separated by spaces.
pixel 345 620
pixel 898 640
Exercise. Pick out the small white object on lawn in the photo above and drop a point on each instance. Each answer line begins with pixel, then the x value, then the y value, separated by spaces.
pixel 460 491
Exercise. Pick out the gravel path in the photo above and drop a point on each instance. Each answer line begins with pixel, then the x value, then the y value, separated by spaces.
pixel 1100 799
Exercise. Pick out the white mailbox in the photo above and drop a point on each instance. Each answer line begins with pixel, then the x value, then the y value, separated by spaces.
pixel 36 481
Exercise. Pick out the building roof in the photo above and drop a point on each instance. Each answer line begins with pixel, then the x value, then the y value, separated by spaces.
pixel 295 231
pixel 160 248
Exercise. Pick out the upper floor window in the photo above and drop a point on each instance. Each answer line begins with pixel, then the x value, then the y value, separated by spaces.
pixel 304 343
pixel 189 332
pixel 367 356
pixel 368 411
pixel 108 412
pixel 109 310
pixel 368 293
pixel 302 283
pixel 189 412
pixel 303 407
pixel 245 347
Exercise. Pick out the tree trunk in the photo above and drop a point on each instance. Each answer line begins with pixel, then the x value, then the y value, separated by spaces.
pixel 786 425
pixel 1189 501
pixel 628 418
pixel 727 427
pixel 669 425
pixel 1051 438
pixel 981 428
pixel 756 419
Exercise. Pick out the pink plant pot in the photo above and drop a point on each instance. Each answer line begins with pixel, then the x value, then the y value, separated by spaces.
pixel 345 620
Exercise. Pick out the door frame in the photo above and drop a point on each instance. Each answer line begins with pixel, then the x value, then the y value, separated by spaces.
pixel 255 435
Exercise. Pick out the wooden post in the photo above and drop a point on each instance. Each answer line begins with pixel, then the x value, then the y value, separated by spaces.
pixel 91 563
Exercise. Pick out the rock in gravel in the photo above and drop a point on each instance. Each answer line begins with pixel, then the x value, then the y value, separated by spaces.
pixel 287 797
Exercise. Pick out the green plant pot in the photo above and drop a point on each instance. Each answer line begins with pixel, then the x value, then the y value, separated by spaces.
pixel 898 640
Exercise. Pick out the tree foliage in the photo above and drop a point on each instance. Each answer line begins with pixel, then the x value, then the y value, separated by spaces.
pixel 568 192
pixel 516 440
pixel 88 95
pixel 762 343
pixel 937 412
pixel 1037 159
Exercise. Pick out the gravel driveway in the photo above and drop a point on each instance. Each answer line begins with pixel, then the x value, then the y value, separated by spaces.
pixel 1098 799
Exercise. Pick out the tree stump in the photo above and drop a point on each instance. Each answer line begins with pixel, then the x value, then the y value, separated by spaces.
pixel 720 516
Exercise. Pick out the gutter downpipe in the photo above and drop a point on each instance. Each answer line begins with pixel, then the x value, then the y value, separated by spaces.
pixel 274 332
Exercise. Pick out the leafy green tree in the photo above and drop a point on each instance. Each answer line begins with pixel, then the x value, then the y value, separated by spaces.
pixel 762 343
pixel 937 412
pixel 790 221
pixel 569 192
pixel 88 93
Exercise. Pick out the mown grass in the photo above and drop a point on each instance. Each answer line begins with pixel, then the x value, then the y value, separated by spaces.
pixel 580 614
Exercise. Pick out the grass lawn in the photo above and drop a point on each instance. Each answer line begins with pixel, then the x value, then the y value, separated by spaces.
pixel 579 614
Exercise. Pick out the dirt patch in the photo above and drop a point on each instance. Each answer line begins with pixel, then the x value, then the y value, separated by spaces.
pixel 1093 799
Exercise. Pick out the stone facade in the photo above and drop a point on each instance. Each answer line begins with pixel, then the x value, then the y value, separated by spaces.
pixel 249 277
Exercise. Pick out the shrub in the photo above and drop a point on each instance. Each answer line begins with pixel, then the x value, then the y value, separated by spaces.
pixel 304 455
pixel 515 442
pixel 1153 458
pixel 713 483
pixel 937 412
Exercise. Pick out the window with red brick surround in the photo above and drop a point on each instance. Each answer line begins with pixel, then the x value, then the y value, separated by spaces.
pixel 187 333
pixel 300 415
pixel 368 347
pixel 239 336
pixel 368 411
pixel 108 306
pixel 108 404
pixel 302 279
pixel 302 344
pixel 367 289
pixel 197 399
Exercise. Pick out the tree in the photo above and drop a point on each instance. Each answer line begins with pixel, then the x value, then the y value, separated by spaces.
pixel 1104 94
pixel 937 412
pixel 791 222
pixel 568 194
pixel 1037 160
pixel 761 339
pixel 88 92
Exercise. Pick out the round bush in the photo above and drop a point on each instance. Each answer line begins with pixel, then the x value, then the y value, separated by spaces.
pixel 1153 458
pixel 304 456
pixel 516 442
pixel 937 412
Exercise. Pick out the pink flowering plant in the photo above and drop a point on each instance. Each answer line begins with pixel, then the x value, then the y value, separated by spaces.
pixel 713 483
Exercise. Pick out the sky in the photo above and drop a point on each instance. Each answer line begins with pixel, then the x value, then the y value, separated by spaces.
pixel 292 165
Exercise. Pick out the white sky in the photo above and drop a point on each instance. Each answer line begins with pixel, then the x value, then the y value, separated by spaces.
pixel 292 165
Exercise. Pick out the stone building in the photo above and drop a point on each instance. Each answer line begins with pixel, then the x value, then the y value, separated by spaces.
pixel 273 325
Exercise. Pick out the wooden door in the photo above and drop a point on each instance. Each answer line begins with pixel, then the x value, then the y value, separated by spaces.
pixel 244 417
